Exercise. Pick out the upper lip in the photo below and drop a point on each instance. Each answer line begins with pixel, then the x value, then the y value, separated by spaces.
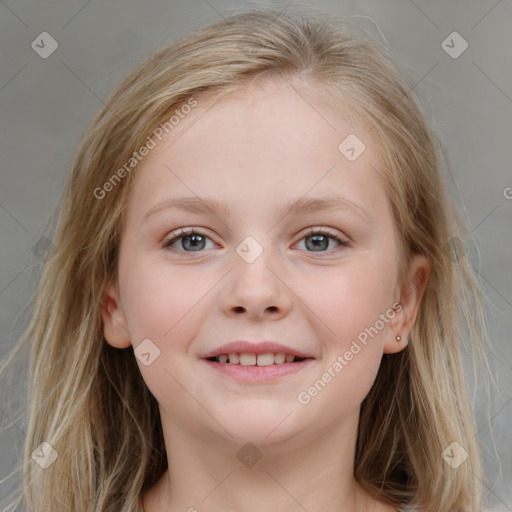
pixel 261 347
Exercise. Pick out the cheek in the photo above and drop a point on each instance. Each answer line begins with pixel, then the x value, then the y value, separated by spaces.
pixel 166 305
pixel 165 308
pixel 157 297
pixel 351 300
pixel 351 306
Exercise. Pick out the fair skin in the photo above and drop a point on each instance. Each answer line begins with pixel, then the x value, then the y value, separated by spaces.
pixel 255 151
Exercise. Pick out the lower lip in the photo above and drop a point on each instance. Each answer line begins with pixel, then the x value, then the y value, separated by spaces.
pixel 257 374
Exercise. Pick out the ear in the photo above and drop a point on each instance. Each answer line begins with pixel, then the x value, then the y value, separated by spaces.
pixel 411 293
pixel 114 322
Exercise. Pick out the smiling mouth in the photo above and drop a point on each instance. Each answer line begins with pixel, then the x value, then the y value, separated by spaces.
pixel 268 359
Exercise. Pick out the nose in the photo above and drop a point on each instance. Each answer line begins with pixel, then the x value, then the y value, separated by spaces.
pixel 257 290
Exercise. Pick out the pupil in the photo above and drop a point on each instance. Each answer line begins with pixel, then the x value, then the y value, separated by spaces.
pixel 319 241
pixel 195 242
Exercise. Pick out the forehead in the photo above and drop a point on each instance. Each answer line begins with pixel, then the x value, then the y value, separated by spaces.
pixel 265 143
pixel 293 109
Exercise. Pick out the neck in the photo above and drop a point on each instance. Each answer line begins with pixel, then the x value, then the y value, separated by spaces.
pixel 214 473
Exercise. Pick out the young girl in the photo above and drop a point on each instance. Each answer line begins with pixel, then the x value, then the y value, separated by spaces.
pixel 256 296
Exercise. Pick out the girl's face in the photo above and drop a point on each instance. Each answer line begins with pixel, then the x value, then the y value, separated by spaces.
pixel 269 191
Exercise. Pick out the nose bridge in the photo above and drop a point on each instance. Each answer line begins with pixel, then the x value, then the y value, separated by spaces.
pixel 253 263
pixel 255 286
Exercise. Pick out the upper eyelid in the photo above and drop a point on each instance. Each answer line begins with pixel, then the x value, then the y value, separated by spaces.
pixel 328 231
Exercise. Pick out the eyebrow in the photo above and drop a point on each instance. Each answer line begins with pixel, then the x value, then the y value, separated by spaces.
pixel 298 206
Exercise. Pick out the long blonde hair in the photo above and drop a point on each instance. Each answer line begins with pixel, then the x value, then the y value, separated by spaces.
pixel 88 401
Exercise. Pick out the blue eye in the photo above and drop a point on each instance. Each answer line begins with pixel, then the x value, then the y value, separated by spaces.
pixel 190 239
pixel 195 241
pixel 319 238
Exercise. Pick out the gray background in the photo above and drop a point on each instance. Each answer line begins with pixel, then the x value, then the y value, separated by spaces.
pixel 46 105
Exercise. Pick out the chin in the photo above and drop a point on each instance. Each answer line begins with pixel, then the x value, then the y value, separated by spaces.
pixel 263 428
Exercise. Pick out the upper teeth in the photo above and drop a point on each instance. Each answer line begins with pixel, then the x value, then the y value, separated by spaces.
pixel 256 360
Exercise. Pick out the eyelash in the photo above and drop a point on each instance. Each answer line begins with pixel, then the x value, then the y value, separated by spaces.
pixel 182 232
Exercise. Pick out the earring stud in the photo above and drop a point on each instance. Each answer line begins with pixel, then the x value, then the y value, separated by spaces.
pixel 398 338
